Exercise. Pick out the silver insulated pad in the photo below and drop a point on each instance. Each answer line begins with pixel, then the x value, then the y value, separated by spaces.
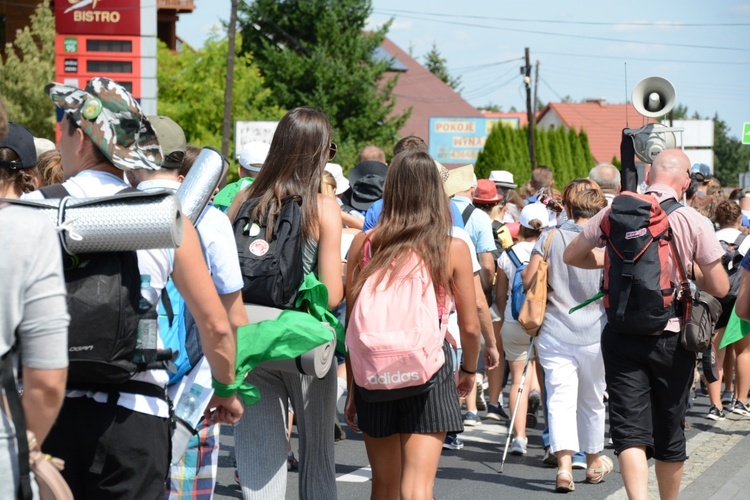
pixel 124 222
pixel 201 182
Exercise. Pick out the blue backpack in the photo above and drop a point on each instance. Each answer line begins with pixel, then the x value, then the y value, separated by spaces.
pixel 178 331
pixel 517 293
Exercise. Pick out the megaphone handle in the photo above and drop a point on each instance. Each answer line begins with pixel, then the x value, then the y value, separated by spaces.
pixel 629 174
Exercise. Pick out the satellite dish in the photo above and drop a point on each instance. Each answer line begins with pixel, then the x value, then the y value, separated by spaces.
pixel 653 96
pixel 652 139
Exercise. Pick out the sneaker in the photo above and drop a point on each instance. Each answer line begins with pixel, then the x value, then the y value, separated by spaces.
pixel 740 408
pixel 291 462
pixel 452 442
pixel 715 414
pixel 727 397
pixel 531 421
pixel 481 403
pixel 549 458
pixel 472 419
pixel 535 400
pixel 579 462
pixel 496 412
pixel 338 432
pixel 518 447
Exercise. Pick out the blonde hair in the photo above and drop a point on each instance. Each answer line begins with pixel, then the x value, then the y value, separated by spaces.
pixel 49 168
pixel 328 185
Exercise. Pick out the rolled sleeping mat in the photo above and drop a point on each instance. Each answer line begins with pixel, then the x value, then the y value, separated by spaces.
pixel 316 361
pixel 123 222
pixel 201 182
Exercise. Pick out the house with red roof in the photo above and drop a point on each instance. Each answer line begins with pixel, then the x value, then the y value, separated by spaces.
pixel 418 89
pixel 602 122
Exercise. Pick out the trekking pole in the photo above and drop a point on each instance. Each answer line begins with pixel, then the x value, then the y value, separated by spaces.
pixel 518 398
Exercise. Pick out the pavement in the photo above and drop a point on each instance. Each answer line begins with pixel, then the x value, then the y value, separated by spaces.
pixel 718 467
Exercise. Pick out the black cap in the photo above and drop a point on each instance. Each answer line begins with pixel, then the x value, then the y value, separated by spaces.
pixel 20 140
pixel 367 191
pixel 367 168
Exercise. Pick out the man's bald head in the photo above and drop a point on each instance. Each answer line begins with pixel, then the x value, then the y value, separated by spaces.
pixel 671 167
pixel 607 177
pixel 371 153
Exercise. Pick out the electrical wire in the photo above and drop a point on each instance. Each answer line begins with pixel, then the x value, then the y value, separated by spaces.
pixel 584 37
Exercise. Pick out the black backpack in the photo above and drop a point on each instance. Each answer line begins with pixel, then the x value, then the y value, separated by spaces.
pixel 639 296
pixel 104 291
pixel 731 262
pixel 271 270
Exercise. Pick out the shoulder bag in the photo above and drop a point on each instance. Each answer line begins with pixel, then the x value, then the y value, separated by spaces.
pixel 532 311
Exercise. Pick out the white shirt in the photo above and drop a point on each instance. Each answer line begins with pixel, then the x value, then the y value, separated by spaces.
pixel 217 240
pixel 461 234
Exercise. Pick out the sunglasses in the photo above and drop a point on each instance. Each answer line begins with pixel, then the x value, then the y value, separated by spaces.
pixel 332 151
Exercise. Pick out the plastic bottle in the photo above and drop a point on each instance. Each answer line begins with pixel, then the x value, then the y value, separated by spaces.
pixel 189 404
pixel 146 342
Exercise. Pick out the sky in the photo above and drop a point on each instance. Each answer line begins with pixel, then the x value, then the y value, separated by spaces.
pixel 584 48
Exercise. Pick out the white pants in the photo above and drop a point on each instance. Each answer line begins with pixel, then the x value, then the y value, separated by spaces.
pixel 574 379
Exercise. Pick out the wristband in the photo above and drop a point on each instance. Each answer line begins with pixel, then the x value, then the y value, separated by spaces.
pixel 461 367
pixel 223 390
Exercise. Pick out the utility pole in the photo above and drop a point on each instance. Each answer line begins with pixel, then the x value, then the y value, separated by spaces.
pixel 526 70
pixel 227 125
pixel 536 88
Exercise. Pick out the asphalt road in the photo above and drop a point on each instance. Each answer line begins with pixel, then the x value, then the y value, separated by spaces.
pixel 473 472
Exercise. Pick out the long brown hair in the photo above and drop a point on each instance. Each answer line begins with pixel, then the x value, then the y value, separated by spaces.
pixel 415 217
pixel 294 166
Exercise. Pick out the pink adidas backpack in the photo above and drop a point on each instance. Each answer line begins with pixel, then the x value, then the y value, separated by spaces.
pixel 395 333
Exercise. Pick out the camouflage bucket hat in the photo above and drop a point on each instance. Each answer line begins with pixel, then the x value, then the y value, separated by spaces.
pixel 114 121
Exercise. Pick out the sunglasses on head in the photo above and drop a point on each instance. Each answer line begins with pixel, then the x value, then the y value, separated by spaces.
pixel 332 151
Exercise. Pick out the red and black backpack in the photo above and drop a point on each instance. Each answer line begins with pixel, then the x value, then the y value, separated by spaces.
pixel 639 296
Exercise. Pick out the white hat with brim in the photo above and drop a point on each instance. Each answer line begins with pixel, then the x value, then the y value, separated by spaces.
pixel 503 178
pixel 342 183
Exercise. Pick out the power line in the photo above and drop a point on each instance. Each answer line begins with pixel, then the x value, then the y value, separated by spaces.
pixel 648 59
pixel 584 37
pixel 657 24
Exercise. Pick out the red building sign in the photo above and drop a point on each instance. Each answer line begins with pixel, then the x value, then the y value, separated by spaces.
pixel 98 17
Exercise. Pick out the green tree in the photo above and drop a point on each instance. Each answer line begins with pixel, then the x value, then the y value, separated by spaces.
pixel 566 152
pixel 730 156
pixel 438 66
pixel 29 64
pixel 191 88
pixel 318 53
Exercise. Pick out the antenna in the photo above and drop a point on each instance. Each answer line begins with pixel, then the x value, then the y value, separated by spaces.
pixel 626 95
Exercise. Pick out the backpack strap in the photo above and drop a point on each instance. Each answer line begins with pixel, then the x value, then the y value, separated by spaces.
pixel 514 258
pixel 740 238
pixel 54 191
pixel 670 205
pixel 19 421
pixel 166 303
pixel 466 214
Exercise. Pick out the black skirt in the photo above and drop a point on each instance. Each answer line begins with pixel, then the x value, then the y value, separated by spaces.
pixel 435 411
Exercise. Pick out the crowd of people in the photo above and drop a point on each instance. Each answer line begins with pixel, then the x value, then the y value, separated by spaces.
pixel 476 246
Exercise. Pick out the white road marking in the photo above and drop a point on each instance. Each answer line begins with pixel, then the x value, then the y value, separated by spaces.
pixel 362 475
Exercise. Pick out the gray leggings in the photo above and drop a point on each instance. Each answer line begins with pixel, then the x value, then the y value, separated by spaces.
pixel 261 436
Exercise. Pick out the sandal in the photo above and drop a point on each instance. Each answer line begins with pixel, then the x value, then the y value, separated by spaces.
pixel 594 475
pixel 564 482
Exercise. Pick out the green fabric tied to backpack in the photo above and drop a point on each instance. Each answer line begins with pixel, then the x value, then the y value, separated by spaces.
pixel 292 334
pixel 737 329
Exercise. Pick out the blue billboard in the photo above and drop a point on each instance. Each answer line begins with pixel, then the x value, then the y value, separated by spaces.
pixel 459 140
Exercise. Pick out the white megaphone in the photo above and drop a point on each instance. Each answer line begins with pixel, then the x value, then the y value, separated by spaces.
pixel 653 96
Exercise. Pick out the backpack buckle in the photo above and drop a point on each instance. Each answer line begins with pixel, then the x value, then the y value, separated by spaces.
pixel 627 269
